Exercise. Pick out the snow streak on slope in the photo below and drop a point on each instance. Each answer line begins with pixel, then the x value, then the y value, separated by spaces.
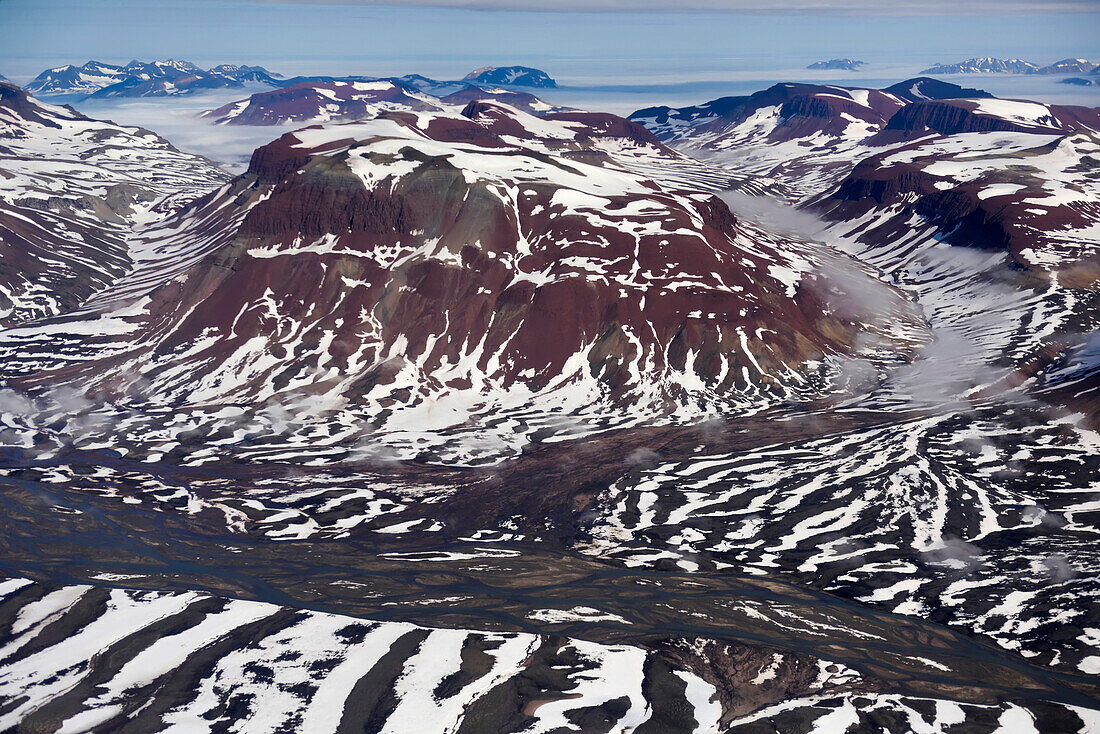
pixel 984 520
pixel 309 311
pixel 177 662
pixel 1036 196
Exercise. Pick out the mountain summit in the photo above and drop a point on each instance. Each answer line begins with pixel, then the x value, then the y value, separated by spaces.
pixel 516 76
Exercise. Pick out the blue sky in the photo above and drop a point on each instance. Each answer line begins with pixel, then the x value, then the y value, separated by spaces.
pixel 625 41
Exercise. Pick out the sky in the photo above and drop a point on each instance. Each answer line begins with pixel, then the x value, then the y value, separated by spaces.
pixel 620 57
pixel 625 41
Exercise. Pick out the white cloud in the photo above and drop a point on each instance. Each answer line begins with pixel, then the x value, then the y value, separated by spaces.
pixel 849 7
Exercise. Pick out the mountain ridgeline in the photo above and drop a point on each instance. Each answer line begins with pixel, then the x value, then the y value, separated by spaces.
pixel 97 80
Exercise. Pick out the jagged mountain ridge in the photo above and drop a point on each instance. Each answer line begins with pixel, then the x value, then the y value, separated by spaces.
pixel 985 66
pixel 1012 66
pixel 97 80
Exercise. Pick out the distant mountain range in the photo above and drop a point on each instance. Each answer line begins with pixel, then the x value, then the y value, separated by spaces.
pixel 511 76
pixel 1013 66
pixel 1071 66
pixel 144 79
pixel 96 80
pixel 516 76
pixel 336 100
pixel 837 65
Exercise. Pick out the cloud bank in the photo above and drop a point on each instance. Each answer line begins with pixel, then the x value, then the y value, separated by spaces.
pixel 801 7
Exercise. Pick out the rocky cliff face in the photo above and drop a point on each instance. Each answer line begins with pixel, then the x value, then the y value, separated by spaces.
pixel 953 117
pixel 1028 195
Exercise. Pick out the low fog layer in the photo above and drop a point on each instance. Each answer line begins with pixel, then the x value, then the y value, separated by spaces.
pixel 175 118
pixel 946 370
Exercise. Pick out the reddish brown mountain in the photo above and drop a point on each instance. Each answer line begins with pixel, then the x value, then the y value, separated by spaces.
pixel 951 117
pixel 345 100
pixel 807 138
pixel 451 266
pixel 321 102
